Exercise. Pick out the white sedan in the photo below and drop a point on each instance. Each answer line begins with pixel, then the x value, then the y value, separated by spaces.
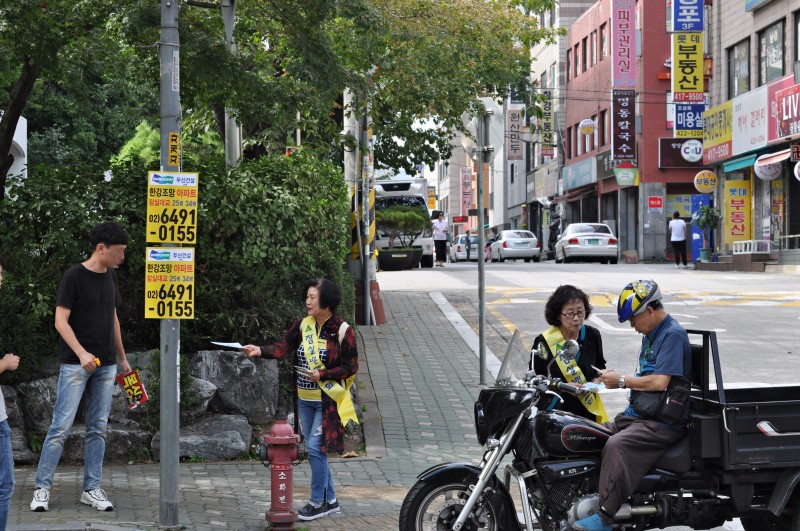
pixel 587 241
pixel 458 249
pixel 515 244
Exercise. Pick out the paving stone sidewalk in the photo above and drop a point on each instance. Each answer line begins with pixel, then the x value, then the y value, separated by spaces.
pixel 419 381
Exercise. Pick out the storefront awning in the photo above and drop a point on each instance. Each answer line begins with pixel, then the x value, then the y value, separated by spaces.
pixel 780 156
pixel 738 164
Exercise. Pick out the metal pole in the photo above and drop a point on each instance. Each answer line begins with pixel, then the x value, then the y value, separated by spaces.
pixel 169 55
pixel 233 132
pixel 481 255
pixel 366 301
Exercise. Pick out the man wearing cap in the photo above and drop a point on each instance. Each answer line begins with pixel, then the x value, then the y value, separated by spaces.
pixel 638 442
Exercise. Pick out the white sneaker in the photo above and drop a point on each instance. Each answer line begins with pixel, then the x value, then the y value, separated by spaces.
pixel 41 500
pixel 97 499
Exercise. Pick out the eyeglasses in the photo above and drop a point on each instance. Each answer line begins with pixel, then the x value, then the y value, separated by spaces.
pixel 573 315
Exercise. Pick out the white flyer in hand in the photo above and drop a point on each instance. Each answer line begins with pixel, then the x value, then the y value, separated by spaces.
pixel 228 345
pixel 593 387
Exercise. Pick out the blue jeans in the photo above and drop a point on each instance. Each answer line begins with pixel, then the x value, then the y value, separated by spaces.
pixel 6 472
pixel 99 386
pixel 310 412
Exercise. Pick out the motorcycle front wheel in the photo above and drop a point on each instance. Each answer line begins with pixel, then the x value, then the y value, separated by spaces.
pixel 435 505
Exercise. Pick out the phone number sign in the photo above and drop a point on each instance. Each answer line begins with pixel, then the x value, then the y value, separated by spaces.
pixel 172 207
pixel 169 283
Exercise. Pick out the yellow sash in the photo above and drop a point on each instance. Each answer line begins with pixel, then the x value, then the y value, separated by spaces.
pixel 569 368
pixel 339 392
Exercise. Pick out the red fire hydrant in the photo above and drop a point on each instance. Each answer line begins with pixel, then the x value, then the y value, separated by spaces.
pixel 279 451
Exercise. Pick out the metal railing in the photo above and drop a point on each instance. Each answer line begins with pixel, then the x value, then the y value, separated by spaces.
pixel 791 241
pixel 752 246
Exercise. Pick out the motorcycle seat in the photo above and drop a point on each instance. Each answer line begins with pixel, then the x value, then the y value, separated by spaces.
pixel 677 458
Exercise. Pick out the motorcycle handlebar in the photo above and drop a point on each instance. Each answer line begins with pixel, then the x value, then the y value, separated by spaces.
pixel 567 388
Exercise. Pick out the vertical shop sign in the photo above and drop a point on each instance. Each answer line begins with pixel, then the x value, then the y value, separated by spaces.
pixel 623 132
pixel 736 225
pixel 466 191
pixel 773 114
pixel 623 42
pixel 687 15
pixel 687 67
pixel 547 124
pixel 514 146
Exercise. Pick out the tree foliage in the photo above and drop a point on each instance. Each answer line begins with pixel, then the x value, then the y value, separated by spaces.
pixel 403 224
pixel 97 68
pixel 265 228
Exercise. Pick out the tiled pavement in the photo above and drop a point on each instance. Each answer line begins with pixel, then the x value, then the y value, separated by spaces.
pixel 419 381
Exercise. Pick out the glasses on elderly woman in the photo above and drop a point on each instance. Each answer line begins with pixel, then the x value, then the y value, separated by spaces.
pixel 572 315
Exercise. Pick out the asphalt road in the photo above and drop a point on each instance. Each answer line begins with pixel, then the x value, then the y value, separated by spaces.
pixel 756 315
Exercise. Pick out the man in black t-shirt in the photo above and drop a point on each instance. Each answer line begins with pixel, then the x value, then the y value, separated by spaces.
pixel 90 351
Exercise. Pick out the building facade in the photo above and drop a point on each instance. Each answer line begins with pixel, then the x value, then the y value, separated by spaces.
pixel 754 122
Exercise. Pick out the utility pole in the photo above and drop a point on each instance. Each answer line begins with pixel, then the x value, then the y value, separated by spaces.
pixel 481 149
pixel 170 127
pixel 233 132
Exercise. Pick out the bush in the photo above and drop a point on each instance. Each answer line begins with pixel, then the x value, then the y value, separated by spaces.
pixel 264 229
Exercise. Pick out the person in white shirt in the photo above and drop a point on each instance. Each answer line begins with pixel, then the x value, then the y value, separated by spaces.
pixel 440 230
pixel 677 228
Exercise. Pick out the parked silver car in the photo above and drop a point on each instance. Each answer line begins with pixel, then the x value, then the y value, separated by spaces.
pixel 515 244
pixel 587 241
pixel 458 249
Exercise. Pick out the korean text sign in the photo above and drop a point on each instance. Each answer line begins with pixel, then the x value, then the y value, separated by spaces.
pixel 718 132
pixel 514 144
pixel 687 15
pixel 623 41
pixel 548 125
pixel 169 283
pixel 623 125
pixel 736 226
pixel 172 207
pixel 687 67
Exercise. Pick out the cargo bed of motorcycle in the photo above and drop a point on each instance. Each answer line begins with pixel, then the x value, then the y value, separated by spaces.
pixel 745 428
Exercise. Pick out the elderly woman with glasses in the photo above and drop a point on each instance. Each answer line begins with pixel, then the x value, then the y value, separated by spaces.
pixel 565 312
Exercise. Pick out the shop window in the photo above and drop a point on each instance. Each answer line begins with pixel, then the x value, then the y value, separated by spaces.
pixel 771 52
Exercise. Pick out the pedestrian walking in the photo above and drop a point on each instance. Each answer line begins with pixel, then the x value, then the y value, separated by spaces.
pixel 440 230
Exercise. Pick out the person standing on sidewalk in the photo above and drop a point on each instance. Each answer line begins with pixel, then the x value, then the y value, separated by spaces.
pixel 440 230
pixel 90 351
pixel 326 361
pixel 677 228
pixel 9 362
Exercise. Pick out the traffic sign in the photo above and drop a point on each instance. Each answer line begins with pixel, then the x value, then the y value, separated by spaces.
pixel 172 207
pixel 169 283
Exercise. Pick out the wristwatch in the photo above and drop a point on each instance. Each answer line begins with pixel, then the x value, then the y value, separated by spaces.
pixel 621 382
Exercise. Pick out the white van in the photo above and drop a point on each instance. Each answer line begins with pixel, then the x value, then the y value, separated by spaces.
pixel 406 192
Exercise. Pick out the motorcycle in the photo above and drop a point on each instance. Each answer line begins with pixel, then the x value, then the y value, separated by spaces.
pixel 555 465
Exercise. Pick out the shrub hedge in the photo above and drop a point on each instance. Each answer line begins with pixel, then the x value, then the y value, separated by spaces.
pixel 264 228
